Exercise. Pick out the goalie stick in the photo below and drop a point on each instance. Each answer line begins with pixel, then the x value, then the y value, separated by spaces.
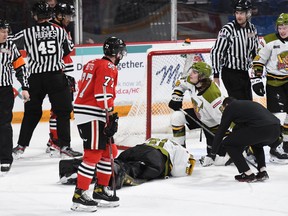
pixel 110 142
pixel 208 131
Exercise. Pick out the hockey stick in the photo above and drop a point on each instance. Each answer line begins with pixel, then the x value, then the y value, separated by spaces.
pixel 208 131
pixel 110 142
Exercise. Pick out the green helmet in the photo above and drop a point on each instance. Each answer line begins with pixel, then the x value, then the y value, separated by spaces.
pixel 282 19
pixel 203 69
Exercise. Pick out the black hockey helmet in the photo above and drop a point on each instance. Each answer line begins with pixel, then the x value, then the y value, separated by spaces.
pixel 114 46
pixel 42 10
pixel 63 8
pixel 242 5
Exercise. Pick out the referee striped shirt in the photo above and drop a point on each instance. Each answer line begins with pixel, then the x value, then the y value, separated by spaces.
pixel 45 45
pixel 234 48
pixel 11 60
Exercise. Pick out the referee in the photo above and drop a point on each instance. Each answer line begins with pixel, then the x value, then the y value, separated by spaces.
pixel 46 45
pixel 234 51
pixel 10 59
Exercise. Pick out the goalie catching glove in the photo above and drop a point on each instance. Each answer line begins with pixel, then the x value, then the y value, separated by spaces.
pixel 112 126
pixel 257 86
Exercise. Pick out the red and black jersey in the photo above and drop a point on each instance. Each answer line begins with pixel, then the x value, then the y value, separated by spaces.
pixel 89 104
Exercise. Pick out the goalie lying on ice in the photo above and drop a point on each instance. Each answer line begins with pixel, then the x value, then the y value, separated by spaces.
pixel 155 158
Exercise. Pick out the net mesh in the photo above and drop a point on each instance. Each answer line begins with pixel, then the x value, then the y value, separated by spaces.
pixel 165 70
pixel 164 67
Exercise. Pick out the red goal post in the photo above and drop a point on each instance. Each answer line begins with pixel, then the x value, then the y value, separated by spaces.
pixel 149 80
pixel 150 115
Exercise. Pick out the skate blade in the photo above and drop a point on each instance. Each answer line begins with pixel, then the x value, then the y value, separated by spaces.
pixel 106 204
pixel 55 154
pixel 81 208
pixel 278 161
pixel 2 174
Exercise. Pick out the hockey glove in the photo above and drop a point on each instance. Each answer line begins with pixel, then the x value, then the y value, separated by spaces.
pixel 71 83
pixel 190 165
pixel 111 128
pixel 257 86
pixel 176 102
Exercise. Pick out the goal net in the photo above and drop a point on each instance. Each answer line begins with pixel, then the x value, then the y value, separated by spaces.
pixel 149 115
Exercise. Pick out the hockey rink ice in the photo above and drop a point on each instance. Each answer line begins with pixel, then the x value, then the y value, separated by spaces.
pixel 31 188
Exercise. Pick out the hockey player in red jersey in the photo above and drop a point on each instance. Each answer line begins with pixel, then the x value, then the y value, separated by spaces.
pixel 63 14
pixel 90 117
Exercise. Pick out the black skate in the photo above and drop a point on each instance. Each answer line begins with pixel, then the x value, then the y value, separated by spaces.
pixel 285 147
pixel 82 202
pixel 262 176
pixel 104 196
pixel 5 167
pixel 70 152
pixel 246 178
pixel 18 151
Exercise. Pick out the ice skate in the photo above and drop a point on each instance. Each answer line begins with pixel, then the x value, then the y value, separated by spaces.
pixel 104 196
pixel 70 152
pixel 18 151
pixel 278 156
pixel 53 153
pixel 5 167
pixel 246 178
pixel 82 202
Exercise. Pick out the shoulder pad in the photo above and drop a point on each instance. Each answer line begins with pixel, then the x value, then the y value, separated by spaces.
pixel 270 37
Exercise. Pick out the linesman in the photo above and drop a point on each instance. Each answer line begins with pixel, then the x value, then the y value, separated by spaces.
pixel 10 59
pixel 46 45
pixel 234 51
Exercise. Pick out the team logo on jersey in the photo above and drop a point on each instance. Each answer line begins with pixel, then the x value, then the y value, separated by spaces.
pixel 7 51
pixel 283 60
pixel 111 65
pixel 177 83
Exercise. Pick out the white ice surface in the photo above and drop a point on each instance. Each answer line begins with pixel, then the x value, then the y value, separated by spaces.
pixel 31 188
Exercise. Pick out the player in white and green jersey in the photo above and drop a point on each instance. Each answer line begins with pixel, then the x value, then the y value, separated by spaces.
pixel 273 56
pixel 206 99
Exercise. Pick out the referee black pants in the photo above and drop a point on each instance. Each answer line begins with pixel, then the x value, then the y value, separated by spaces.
pixel 237 83
pixel 6 133
pixel 256 137
pixel 54 85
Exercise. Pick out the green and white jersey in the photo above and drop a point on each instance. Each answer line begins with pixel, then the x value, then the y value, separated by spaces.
pixel 273 54
pixel 178 155
pixel 207 105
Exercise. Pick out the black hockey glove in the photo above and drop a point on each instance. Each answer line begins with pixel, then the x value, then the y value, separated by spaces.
pixel 176 102
pixel 175 105
pixel 257 86
pixel 111 128
pixel 71 83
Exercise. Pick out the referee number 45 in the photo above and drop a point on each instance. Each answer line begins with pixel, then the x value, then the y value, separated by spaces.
pixel 47 47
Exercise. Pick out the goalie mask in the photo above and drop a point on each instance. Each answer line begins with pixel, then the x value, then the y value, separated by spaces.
pixel 41 10
pixel 115 47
